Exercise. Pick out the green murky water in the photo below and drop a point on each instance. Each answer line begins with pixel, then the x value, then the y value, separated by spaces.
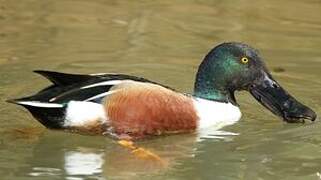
pixel 163 41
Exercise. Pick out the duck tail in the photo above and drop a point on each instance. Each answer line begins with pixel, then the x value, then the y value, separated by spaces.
pixel 64 79
pixel 51 115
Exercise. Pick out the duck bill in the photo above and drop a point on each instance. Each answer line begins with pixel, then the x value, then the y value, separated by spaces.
pixel 271 95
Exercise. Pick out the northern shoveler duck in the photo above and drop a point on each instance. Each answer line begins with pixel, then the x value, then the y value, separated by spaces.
pixel 129 107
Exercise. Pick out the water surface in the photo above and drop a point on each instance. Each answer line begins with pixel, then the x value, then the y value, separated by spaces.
pixel 163 41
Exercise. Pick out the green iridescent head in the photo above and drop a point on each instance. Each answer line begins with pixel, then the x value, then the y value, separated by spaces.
pixel 226 68
pixel 236 66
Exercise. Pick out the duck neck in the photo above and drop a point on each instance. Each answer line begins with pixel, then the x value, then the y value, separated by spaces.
pixel 205 89
pixel 210 85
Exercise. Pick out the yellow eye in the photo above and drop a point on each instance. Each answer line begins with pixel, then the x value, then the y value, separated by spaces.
pixel 244 60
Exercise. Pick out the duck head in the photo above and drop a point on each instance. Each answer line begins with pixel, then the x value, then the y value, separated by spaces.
pixel 231 67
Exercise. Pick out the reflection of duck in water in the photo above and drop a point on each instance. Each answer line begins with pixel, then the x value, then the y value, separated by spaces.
pixel 83 163
pixel 130 108
pixel 93 157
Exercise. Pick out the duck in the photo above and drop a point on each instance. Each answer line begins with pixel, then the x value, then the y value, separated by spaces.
pixel 128 107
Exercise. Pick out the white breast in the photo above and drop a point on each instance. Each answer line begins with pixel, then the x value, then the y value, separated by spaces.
pixel 215 115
